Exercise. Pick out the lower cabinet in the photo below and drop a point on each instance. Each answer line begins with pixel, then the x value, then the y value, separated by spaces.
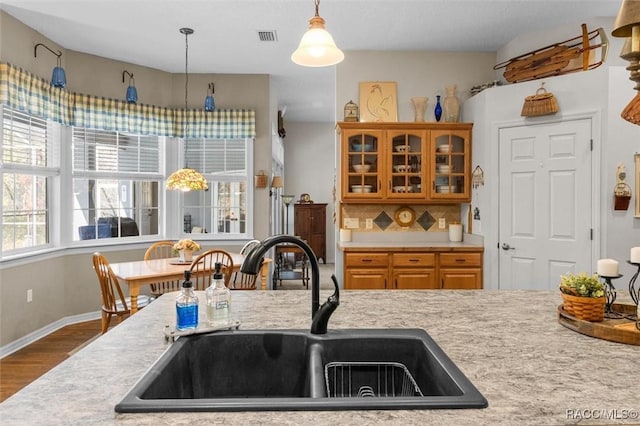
pixel 412 270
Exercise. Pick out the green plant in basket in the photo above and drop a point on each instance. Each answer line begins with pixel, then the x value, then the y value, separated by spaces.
pixel 581 285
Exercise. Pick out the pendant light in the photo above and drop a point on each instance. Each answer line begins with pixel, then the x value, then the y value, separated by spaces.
pixel 186 179
pixel 317 48
pixel 58 76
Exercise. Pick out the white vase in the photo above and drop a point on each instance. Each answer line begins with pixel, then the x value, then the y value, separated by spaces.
pixel 451 105
pixel 186 255
pixel 419 106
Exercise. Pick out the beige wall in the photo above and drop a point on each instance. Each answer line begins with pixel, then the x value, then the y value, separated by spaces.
pixel 64 283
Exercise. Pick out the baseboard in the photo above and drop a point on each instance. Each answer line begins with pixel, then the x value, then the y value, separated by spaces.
pixel 16 345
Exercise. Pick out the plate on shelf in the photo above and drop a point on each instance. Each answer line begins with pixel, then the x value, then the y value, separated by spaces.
pixel 444 149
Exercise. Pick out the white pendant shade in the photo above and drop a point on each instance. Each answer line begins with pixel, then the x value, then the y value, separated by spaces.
pixel 317 48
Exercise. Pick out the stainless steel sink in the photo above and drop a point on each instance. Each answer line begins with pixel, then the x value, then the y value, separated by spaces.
pixel 352 369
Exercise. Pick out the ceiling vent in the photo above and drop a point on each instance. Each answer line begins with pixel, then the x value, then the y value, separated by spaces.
pixel 269 35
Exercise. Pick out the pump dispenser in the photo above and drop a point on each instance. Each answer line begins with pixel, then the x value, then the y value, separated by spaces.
pixel 218 300
pixel 187 305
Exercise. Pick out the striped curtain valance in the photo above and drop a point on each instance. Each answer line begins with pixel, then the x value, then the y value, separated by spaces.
pixel 22 90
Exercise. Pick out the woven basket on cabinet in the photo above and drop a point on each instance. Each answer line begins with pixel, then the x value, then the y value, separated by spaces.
pixel 584 308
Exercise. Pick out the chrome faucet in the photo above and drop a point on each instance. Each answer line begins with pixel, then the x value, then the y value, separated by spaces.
pixel 319 314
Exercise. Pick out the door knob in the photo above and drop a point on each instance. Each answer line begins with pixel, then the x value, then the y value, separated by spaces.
pixel 506 246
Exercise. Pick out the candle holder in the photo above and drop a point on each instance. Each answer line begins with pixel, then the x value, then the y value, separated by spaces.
pixel 633 292
pixel 610 295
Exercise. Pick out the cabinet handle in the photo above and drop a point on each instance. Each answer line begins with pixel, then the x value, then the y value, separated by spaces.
pixel 414 260
pixel 379 185
pixel 461 260
pixel 433 185
pixel 395 283
pixel 442 283
pixel 367 260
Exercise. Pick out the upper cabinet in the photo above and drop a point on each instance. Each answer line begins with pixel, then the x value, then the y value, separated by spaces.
pixel 405 162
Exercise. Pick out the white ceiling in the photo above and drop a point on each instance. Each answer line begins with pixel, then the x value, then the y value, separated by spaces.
pixel 145 32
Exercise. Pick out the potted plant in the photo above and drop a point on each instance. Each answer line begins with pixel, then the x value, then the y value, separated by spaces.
pixel 185 249
pixel 583 296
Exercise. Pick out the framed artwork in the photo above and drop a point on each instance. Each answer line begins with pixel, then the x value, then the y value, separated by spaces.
pixel 637 188
pixel 378 101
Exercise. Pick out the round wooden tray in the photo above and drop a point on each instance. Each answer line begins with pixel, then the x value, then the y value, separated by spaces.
pixel 620 330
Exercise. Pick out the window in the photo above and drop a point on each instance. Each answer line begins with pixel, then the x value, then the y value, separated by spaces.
pixel 30 163
pixel 223 208
pixel 116 183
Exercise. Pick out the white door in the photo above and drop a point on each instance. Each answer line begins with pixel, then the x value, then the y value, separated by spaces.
pixel 545 203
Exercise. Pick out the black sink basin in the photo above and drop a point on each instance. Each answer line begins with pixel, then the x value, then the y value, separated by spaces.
pixel 248 370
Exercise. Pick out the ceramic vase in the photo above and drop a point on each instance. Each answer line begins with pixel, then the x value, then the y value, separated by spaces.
pixel 185 255
pixel 451 107
pixel 419 105
pixel 437 112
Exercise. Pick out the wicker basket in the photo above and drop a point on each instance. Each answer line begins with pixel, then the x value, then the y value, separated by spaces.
pixel 542 103
pixel 584 308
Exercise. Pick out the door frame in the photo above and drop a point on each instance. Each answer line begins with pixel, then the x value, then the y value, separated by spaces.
pixel 492 173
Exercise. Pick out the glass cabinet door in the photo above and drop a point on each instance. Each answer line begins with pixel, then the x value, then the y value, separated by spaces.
pixel 406 152
pixel 450 164
pixel 362 158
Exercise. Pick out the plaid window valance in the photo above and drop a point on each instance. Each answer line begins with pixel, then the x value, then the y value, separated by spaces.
pixel 22 90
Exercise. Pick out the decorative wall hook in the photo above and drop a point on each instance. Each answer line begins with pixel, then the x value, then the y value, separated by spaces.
pixel 132 92
pixel 58 76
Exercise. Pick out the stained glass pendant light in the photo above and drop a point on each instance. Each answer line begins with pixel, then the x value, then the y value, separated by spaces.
pixel 132 93
pixel 317 48
pixel 186 179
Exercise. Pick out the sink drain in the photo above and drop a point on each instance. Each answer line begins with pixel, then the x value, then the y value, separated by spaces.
pixel 369 379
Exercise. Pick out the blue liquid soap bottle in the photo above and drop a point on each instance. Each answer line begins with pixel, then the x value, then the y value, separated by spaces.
pixel 187 305
pixel 218 300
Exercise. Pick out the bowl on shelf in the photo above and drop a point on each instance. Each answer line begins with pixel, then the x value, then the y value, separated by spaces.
pixel 359 189
pixel 401 168
pixel 444 149
pixel 361 168
pixel 443 168
pixel 359 147
pixel 402 148
pixel 445 189
pixel 402 189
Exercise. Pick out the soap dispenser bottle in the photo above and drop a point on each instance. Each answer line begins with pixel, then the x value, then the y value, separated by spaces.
pixel 187 305
pixel 218 300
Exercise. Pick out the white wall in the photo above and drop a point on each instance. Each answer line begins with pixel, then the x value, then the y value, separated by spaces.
pixel 602 93
pixel 310 168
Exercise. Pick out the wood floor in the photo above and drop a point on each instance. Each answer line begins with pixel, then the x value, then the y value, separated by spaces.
pixel 26 365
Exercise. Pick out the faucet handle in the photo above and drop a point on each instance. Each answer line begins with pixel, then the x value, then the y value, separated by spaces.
pixel 335 297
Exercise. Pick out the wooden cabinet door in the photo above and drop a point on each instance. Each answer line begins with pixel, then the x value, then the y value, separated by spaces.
pixel 365 279
pixel 461 278
pixel 450 165
pixel 406 165
pixel 414 279
pixel 362 164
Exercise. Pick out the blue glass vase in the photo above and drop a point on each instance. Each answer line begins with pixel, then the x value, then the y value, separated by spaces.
pixel 209 103
pixel 438 111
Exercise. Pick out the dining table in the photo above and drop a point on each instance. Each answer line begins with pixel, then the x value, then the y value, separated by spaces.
pixel 138 273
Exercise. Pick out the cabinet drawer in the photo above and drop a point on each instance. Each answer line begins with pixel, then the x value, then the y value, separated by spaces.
pixel 414 259
pixel 461 259
pixel 366 259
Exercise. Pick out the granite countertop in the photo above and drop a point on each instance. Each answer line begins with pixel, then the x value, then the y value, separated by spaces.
pixel 532 370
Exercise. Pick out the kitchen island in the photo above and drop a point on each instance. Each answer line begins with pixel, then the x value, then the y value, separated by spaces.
pixel 509 344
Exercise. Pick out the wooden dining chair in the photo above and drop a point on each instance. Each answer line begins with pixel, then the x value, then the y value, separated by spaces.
pixel 113 300
pixel 162 250
pixel 203 267
pixel 244 282
pixel 237 275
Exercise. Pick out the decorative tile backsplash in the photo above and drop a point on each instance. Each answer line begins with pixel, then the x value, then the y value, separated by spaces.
pixel 382 215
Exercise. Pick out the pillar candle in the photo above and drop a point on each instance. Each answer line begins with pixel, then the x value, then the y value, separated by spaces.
pixel 345 235
pixel 455 232
pixel 635 255
pixel 607 268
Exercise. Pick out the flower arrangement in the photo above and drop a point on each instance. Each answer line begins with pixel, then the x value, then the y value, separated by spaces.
pixel 186 244
pixel 581 285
